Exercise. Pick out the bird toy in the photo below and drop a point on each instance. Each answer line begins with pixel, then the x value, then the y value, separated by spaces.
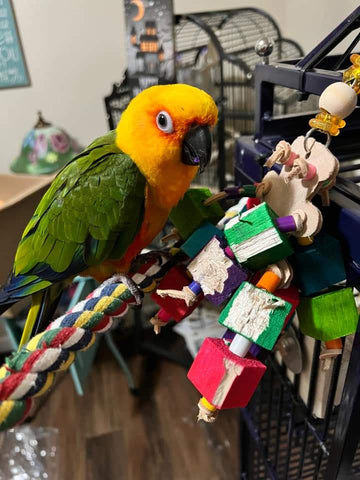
pixel 257 260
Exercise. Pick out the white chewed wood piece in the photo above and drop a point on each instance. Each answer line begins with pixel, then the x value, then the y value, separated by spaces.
pixel 287 197
pixel 210 267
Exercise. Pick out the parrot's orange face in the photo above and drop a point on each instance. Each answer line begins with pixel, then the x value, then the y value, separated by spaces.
pixel 166 132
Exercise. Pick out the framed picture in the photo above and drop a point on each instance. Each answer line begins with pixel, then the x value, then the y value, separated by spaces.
pixel 13 71
pixel 150 43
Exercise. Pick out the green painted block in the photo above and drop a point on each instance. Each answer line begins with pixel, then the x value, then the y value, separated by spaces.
pixel 328 316
pixel 255 239
pixel 256 314
pixel 190 212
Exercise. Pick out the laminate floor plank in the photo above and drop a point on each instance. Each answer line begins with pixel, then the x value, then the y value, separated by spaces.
pixel 105 457
pixel 110 434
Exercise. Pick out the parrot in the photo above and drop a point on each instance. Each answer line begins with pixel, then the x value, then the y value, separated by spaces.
pixel 111 200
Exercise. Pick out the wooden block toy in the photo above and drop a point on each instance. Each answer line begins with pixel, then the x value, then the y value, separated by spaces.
pixel 191 212
pixel 291 296
pixel 256 239
pixel 288 293
pixel 199 238
pixel 324 257
pixel 174 308
pixel 256 314
pixel 252 202
pixel 216 272
pixel 328 316
pixel 222 377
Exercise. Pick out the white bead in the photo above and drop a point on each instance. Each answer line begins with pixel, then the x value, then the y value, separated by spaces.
pixel 338 99
pixel 240 345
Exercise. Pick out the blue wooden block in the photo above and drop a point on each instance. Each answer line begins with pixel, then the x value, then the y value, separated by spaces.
pixel 318 266
pixel 199 239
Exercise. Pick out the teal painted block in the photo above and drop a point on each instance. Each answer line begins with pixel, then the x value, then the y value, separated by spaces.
pixel 318 266
pixel 255 239
pixel 190 212
pixel 200 238
pixel 328 316
pixel 256 314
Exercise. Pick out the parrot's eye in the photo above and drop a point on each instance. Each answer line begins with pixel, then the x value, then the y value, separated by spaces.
pixel 164 122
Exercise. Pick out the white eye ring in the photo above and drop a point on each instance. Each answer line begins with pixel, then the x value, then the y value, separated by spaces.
pixel 164 122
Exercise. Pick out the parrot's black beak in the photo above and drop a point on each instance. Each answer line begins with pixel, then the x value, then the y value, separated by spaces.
pixel 196 147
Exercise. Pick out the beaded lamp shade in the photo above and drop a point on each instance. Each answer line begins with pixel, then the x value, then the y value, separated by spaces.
pixel 45 149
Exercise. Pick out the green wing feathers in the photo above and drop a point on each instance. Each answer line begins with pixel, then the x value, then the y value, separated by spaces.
pixel 94 205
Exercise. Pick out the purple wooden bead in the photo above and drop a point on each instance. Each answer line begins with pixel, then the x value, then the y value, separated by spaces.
pixel 286 224
pixel 229 335
pixel 232 192
pixel 255 349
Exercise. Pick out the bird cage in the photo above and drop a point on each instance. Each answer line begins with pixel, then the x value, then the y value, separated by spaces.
pixel 304 426
pixel 215 52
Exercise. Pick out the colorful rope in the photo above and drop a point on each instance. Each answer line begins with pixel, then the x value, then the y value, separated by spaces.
pixel 29 373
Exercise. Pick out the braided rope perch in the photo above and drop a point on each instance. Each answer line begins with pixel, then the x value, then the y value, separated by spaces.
pixel 29 373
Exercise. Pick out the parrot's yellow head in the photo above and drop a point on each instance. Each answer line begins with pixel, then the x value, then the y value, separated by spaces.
pixel 166 131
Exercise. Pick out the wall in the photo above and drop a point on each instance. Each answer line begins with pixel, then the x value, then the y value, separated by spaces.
pixel 75 51
pixel 309 21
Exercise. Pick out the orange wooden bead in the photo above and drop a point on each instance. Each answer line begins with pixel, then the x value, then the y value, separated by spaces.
pixel 334 344
pixel 269 281
pixel 305 241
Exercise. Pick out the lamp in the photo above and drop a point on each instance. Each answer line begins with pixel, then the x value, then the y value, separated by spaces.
pixel 45 149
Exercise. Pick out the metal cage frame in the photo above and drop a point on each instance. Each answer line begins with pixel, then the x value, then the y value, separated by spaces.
pixel 281 438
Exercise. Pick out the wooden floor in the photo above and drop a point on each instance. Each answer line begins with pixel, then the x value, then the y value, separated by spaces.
pixel 109 434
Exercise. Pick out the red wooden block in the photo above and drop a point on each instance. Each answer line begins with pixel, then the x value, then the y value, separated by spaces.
pixel 252 202
pixel 290 295
pixel 223 378
pixel 175 308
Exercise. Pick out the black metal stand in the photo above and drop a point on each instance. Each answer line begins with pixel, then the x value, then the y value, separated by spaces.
pixel 282 438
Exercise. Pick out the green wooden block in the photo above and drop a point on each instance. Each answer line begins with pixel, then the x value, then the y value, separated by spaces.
pixel 190 212
pixel 255 314
pixel 255 239
pixel 328 316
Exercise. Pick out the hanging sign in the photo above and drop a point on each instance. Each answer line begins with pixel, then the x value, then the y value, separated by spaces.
pixel 13 72
pixel 150 43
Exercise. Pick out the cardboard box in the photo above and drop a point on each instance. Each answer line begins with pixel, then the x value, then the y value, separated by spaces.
pixel 19 197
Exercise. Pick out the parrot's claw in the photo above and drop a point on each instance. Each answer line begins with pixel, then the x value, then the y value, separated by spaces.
pixel 160 256
pixel 130 284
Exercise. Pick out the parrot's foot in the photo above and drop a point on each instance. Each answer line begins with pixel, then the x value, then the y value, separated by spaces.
pixel 173 236
pixel 159 256
pixel 129 283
